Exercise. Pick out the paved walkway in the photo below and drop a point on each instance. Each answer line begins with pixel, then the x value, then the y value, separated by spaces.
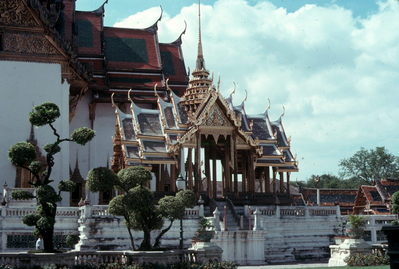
pixel 284 266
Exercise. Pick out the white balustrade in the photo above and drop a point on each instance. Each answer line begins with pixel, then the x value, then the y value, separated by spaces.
pixel 297 211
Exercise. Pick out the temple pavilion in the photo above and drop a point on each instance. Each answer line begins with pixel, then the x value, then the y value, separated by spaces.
pixel 219 149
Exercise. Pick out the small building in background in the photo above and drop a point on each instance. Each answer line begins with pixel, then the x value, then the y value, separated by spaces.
pixel 330 197
pixel 375 200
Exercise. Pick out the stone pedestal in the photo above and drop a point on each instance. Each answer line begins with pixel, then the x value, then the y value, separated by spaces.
pixel 242 247
pixel 349 247
pixel 207 251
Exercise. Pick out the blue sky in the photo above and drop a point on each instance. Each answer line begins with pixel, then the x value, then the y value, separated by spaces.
pixel 119 9
pixel 332 64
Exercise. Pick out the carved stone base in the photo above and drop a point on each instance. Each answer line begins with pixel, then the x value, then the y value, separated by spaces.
pixel 207 251
pixel 349 247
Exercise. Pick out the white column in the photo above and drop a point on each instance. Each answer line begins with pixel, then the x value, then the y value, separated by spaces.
pixel 216 220
pixel 257 225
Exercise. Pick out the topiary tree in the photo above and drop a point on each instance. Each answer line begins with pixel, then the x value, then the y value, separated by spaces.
pixel 23 155
pixel 355 226
pixel 395 206
pixel 137 204
pixel 173 208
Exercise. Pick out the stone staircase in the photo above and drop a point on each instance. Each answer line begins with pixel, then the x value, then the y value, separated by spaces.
pixel 232 224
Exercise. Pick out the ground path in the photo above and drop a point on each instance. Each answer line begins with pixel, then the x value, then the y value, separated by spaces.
pixel 288 266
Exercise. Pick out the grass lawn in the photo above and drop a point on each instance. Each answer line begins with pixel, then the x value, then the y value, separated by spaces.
pixel 353 267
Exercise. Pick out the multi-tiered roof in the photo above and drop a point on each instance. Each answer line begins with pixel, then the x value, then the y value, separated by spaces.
pixel 155 135
pixel 123 58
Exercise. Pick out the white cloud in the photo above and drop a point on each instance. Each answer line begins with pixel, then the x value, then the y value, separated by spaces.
pixel 337 75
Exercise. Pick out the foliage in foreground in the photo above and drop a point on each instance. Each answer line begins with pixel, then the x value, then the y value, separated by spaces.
pixel 23 155
pixel 355 226
pixel 367 260
pixel 137 204
pixel 183 265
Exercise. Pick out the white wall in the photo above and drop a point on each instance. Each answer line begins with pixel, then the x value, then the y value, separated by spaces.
pixel 99 151
pixel 22 86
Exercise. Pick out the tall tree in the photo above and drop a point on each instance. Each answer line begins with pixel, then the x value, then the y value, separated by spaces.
pixel 369 165
pixel 23 155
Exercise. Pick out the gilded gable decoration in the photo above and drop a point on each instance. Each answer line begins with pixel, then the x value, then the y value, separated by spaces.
pixel 27 43
pixel 216 117
pixel 15 13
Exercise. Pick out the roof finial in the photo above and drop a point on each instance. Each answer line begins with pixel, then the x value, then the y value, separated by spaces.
pixel 128 95
pixel 246 96
pixel 282 115
pixel 268 107
pixel 155 90
pixel 178 40
pixel 234 90
pixel 200 57
pixel 219 82
pixel 112 101
pixel 167 85
pixel 101 10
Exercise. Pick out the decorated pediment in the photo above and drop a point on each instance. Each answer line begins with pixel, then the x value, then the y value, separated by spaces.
pixel 216 117
pixel 15 13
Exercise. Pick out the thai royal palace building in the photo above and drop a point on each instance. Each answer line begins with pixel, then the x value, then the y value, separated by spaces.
pixel 136 94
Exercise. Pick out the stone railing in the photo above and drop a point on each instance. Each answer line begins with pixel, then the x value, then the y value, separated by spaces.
pixel 102 211
pixel 192 213
pixel 373 233
pixel 30 260
pixel 17 211
pixel 294 211
pixel 63 212
pixel 14 235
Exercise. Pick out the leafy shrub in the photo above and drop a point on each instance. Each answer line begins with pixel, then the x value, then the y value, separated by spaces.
pixel 72 240
pixel 49 266
pixel 22 153
pixel 355 226
pixel 82 135
pixel 367 260
pixel 181 265
pixel 6 266
pixel 88 266
pixel 395 202
pixel 205 231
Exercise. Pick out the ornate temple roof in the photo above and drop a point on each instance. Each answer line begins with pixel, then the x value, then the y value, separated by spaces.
pixel 124 58
pixel 162 132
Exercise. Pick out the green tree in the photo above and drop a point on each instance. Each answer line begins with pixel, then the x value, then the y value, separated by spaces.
pixel 173 208
pixel 369 165
pixel 137 204
pixel 327 181
pixel 395 203
pixel 23 155
pixel 355 226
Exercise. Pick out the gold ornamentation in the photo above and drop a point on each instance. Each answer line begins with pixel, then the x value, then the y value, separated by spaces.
pixel 216 117
pixel 28 44
pixel 15 13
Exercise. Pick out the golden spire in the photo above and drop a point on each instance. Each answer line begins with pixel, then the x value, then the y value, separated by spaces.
pixel 200 84
pixel 200 56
